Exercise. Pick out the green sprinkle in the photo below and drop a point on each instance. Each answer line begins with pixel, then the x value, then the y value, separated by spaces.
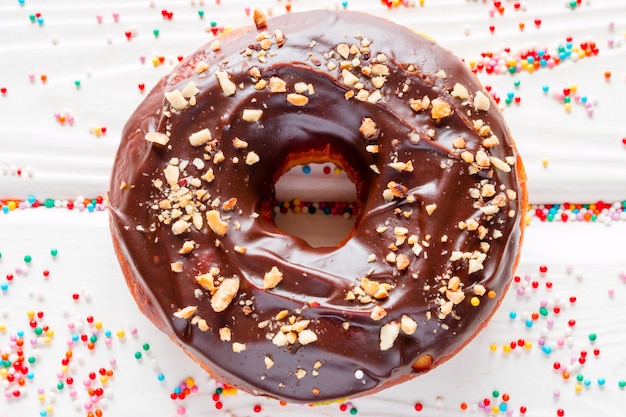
pixel 31 359
pixel 60 386
pixel 77 83
pixel 213 24
pixel 593 337
pixel 146 346
pixel 353 411
pixel 543 311
pixel 137 355
pixel 201 14
pixel 28 259
pixel 495 394
pixel 49 203
pixel 38 331
pixel 218 391
pixel 93 338
pixel 622 384
pixel 580 377
pixel 156 33
pixel 54 252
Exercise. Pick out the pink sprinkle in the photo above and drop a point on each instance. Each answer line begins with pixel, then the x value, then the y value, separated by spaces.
pixel 99 18
pixel 116 17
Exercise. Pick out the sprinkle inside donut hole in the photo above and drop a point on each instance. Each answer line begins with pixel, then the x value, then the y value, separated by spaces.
pixel 316 202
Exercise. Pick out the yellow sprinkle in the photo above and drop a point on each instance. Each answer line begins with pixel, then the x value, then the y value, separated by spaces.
pixel 578 388
pixel 568 107
pixel 41 397
pixel 297 209
pixel 12 205
pixel 530 68
pixel 528 345
pixel 506 348
pixel 544 162
pixel 120 333
pixel 495 409
pixel 50 409
pixel 475 301
pixel 573 88
pixel 104 379
pixel 155 62
pixel 493 347
pixel 47 340
pixel 4 372
pixel 337 171
pixel 30 314
pixel 3 327
pixel 190 382
pixel 64 369
pixel 98 325
pixel 50 333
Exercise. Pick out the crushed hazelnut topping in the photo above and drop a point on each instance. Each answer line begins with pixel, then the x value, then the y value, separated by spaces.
pixel 200 138
pixel 180 227
pixel 268 362
pixel 272 278
pixel 349 78
pixel 238 347
pixel 228 87
pixel 388 335
pixel 176 266
pixel 297 100
pixel 481 101
pixel 252 115
pixel 224 294
pixel 479 289
pixel 158 138
pixel 378 313
pixel 260 20
pixel 187 247
pixel 252 158
pixel 225 334
pixel 176 99
pixel 459 91
pixel 430 208
pixel 215 222
pixel 240 144
pixel 186 312
pixel 402 262
pixel 307 336
pixel 201 67
pixel 440 109
pixel 368 128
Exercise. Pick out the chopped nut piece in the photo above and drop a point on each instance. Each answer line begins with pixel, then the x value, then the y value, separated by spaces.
pixel 408 325
pixel 268 362
pixel 215 222
pixel 190 90
pixel 459 143
pixel 349 78
pixel 240 144
pixel 402 262
pixel 201 67
pixel 298 100
pixel 200 138
pixel 208 176
pixel 252 158
pixel 491 141
pixel 260 21
pixel 158 138
pixel 176 99
pixel 176 266
pixel 481 101
pixel 238 347
pixel 500 164
pixel 479 289
pixel 225 294
pixel 277 85
pixel 440 109
pixel 272 278
pixel 225 334
pixel 180 227
pixel 343 50
pixel 252 115
pixel 397 190
pixel 186 312
pixel 228 87
pixel 459 91
pixel 187 247
pixel 368 128
pixel 306 336
pixel 430 209
pixel 455 296
pixel 229 204
pixel 206 282
pixel 388 335
pixel 378 313
pixel 380 70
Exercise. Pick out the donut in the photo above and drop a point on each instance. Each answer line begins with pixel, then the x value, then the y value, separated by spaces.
pixel 440 189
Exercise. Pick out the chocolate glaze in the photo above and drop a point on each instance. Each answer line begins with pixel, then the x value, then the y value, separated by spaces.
pixel 316 280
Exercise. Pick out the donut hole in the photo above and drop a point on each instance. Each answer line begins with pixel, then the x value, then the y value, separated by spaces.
pixel 316 202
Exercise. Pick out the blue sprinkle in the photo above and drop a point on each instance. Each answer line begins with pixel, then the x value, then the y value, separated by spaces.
pixel 546 349
pixel 43 413
pixel 75 338
pixel 543 62
pixel 587 382
pixel 177 390
pixel 40 21
pixel 31 199
pixel 344 4
pixel 583 99
pixel 601 381
pixel 529 323
pixel 30 375
pixel 20 333
pixel 545 88
pixel 4 286
pixel 530 59
pixel 510 94
pixel 306 169
pixel 512 315
pixel 5 209
pixel 161 377
pixel 327 210
pixel 503 407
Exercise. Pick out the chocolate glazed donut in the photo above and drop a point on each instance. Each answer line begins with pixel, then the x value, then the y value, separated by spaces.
pixel 440 189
